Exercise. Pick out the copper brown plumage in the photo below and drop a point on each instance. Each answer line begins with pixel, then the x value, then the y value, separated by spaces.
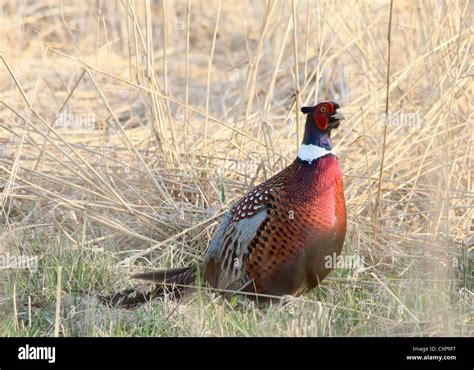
pixel 289 249
pixel 275 239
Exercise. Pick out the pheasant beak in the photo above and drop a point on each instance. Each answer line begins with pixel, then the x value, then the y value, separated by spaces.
pixel 337 116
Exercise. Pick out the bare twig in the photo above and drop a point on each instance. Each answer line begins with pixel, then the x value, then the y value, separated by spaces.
pixel 384 144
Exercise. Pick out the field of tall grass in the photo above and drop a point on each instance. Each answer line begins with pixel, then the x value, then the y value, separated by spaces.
pixel 128 127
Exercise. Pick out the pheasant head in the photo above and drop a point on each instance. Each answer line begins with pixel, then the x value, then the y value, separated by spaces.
pixel 321 120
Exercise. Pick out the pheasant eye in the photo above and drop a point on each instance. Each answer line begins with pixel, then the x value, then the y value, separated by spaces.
pixel 323 110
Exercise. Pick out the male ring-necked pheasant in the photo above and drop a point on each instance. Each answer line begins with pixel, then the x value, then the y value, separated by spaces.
pixel 275 239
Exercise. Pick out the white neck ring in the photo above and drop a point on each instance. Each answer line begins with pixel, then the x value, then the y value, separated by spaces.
pixel 311 152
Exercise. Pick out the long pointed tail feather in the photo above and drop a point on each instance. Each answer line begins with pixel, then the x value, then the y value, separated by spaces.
pixel 171 282
pixel 160 276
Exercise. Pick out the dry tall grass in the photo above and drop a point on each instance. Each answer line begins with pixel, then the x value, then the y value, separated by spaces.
pixel 131 126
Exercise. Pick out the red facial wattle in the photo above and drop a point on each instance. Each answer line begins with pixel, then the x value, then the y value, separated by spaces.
pixel 321 120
